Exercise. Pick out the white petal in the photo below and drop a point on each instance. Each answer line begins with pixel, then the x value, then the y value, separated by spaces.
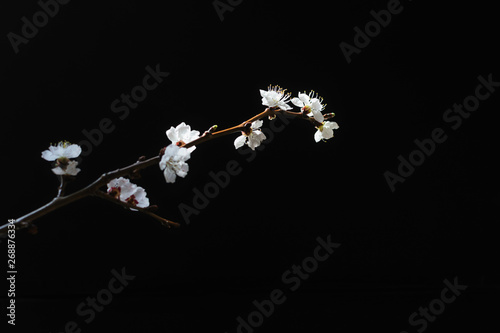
pixel 172 135
pixel 318 136
pixel 284 106
pixel 183 131
pixel 193 135
pixel 169 175
pixel 183 154
pixel 48 155
pixel 58 171
pixel 318 116
pixel 71 169
pixel 163 162
pixel 316 105
pixel 171 150
pixel 126 190
pixel 297 102
pixel 327 133
pixel 72 151
pixel 259 135
pixel 117 182
pixel 304 98
pixel 240 141
pixel 265 101
pixel 257 124
pixel 141 197
pixel 183 170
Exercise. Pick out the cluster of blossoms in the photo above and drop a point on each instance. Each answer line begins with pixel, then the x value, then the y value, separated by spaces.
pixel 173 161
pixel 276 97
pixel 62 153
pixel 174 157
pixel 122 189
pixel 313 106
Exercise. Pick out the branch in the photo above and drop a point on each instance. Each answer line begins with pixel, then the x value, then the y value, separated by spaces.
pixel 207 136
pixel 93 189
pixel 61 201
pixel 146 211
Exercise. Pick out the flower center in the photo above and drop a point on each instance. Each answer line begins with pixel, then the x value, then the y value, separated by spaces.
pixel 62 161
pixel 131 200
pixel 114 192
pixel 65 144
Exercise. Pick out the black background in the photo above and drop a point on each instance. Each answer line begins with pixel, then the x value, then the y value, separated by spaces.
pixel 397 248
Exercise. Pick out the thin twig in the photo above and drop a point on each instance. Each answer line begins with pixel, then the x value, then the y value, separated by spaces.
pixel 128 206
pixel 62 200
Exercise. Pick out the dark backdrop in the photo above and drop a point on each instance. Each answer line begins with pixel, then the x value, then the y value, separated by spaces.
pixel 397 247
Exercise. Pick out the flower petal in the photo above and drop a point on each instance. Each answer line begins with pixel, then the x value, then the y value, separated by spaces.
pixel 72 151
pixel 169 175
pixel 49 155
pixel 240 141
pixel 257 124
pixel 172 135
pixel 297 102
pixel 318 136
pixel 304 98
pixel 318 116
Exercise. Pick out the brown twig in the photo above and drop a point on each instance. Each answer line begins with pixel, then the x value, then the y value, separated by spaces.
pixel 61 201
pixel 146 211
pixel 93 189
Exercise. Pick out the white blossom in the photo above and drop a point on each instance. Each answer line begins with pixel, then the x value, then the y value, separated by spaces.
pixel 183 133
pixel 173 162
pixel 128 192
pixel 311 104
pixel 63 150
pixel 274 96
pixel 325 131
pixel 253 138
pixel 69 170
